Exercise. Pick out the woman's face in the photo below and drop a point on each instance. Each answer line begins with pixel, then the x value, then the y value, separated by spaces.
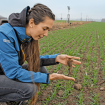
pixel 39 31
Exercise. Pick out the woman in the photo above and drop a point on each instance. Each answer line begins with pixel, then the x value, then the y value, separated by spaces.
pixel 19 43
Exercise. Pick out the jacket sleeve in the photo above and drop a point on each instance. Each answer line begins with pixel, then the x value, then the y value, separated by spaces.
pixel 10 65
pixel 48 60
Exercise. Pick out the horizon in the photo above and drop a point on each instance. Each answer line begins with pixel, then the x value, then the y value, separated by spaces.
pixel 90 9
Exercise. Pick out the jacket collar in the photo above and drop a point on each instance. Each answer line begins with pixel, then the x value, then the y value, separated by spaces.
pixel 22 34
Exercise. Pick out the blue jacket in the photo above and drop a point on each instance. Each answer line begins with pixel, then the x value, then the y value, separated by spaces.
pixel 10 59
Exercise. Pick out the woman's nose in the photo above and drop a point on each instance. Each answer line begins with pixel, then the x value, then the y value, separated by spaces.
pixel 45 34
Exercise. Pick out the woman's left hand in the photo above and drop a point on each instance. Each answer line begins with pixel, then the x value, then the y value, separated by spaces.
pixel 64 58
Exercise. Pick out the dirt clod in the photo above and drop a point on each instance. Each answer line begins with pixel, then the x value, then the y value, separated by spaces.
pixel 102 88
pixel 77 86
pixel 60 93
pixel 69 62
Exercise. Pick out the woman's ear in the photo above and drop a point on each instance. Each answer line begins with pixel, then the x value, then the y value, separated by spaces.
pixel 31 23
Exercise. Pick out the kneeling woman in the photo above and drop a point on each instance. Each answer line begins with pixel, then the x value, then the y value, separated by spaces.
pixel 19 43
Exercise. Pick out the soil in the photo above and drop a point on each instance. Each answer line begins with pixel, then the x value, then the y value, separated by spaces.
pixel 69 62
pixel 78 86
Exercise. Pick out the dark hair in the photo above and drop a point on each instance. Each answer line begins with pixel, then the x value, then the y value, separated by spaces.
pixel 39 12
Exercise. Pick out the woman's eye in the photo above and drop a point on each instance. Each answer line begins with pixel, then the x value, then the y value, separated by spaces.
pixel 44 29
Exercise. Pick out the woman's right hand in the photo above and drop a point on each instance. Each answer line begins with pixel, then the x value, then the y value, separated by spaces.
pixel 56 76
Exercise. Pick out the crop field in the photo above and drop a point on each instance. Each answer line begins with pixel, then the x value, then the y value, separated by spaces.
pixel 86 41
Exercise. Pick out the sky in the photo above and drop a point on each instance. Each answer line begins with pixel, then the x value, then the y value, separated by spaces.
pixel 90 9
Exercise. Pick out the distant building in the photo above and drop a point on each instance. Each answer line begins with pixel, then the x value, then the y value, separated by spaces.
pixel 103 20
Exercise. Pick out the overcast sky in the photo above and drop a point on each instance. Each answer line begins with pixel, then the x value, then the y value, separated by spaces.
pixel 94 9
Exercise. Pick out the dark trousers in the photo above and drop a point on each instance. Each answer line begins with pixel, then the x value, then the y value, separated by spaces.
pixel 11 90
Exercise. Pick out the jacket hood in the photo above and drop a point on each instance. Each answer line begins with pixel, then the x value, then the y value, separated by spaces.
pixel 18 19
